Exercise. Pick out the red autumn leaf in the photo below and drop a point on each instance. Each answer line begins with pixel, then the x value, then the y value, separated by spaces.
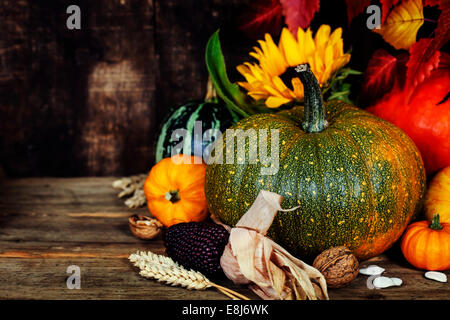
pixel 424 54
pixel 444 61
pixel 299 13
pixel 379 77
pixel 386 6
pixel 419 66
pixel 263 17
pixel 431 3
pixel 355 8
pixel 442 31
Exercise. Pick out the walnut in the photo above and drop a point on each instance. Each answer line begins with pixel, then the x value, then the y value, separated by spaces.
pixel 338 265
pixel 144 227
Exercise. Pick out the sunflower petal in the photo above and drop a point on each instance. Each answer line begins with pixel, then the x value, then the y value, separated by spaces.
pixel 272 90
pixel 308 43
pixel 282 88
pixel 301 45
pixel 328 56
pixel 289 47
pixel 275 102
pixel 323 52
pixel 245 71
pixel 298 88
pixel 277 59
pixel 322 36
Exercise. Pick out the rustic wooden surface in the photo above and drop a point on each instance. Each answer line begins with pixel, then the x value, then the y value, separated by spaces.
pixel 48 224
pixel 90 102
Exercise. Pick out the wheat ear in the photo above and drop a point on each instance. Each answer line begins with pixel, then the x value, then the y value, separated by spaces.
pixel 165 270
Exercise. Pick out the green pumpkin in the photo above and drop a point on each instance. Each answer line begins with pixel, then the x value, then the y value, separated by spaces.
pixel 209 111
pixel 357 180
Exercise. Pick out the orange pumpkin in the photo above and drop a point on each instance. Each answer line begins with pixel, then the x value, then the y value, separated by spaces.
pixel 175 190
pixel 425 119
pixel 427 245
pixel 437 198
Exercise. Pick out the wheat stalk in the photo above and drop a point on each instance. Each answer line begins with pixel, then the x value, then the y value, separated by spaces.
pixel 165 270
pixel 132 187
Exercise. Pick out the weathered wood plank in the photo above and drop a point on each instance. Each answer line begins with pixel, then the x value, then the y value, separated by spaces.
pixel 105 276
pixel 415 286
pixel 90 101
pixel 100 279
pixel 47 224
pixel 38 270
pixel 83 210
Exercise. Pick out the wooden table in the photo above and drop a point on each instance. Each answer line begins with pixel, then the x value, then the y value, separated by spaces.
pixel 48 224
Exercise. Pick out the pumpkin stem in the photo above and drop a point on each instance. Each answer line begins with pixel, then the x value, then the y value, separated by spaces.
pixel 435 224
pixel 211 94
pixel 172 196
pixel 314 110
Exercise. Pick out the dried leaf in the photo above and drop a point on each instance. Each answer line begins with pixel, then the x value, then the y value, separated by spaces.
pixel 379 76
pixel 355 8
pixel 442 31
pixel 431 3
pixel 403 22
pixel 299 13
pixel 426 51
pixel 262 17
pixel 419 66
pixel 251 257
pixel 386 6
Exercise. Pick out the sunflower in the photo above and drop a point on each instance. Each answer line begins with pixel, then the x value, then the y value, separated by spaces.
pixel 324 53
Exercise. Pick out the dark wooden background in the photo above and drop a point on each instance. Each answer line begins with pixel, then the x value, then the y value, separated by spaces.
pixel 90 102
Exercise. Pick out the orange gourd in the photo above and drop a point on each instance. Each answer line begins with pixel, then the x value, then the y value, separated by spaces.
pixel 427 245
pixel 437 198
pixel 175 190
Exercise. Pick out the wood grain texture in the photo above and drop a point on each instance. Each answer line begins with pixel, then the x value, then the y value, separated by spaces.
pixel 91 101
pixel 48 224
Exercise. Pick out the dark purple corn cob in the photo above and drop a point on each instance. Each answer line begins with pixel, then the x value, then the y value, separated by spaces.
pixel 197 246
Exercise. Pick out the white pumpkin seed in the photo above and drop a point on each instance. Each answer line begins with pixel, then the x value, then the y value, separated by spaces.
pixel 372 270
pixel 436 276
pixel 397 281
pixel 385 282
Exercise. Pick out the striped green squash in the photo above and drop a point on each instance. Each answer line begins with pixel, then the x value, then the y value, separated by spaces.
pixel 211 113
pixel 357 179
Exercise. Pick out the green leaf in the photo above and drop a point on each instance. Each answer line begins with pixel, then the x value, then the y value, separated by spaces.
pixel 229 92
pixel 337 89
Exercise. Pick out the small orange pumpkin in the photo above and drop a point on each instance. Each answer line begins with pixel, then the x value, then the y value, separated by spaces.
pixel 175 190
pixel 427 245
pixel 437 198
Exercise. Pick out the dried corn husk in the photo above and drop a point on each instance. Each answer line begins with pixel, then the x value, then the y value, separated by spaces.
pixel 271 272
